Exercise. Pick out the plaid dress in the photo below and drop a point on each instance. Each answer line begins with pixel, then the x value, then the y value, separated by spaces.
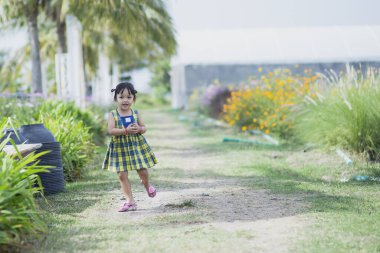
pixel 128 152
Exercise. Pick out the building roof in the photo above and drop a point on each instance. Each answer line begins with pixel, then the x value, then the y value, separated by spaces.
pixel 266 45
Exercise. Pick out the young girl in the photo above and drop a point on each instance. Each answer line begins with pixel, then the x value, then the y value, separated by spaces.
pixel 128 149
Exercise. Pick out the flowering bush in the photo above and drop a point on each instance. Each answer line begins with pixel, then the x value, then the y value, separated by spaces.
pixel 211 100
pixel 265 105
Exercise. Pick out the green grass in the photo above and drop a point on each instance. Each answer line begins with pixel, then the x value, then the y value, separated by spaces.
pixel 347 215
pixel 346 116
pixel 343 217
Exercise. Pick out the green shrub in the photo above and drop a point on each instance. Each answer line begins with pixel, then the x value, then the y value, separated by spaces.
pixel 346 116
pixel 76 142
pixel 20 110
pixel 25 112
pixel 210 100
pixel 160 81
pixel 77 130
pixel 94 120
pixel 19 216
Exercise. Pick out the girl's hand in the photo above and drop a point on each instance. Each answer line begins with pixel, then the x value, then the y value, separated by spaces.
pixel 139 129
pixel 129 129
pixel 133 128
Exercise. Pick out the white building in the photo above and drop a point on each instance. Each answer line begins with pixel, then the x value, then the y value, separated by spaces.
pixel 230 40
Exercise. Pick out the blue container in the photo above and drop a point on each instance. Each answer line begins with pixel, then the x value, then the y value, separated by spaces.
pixel 37 133
pixel 12 135
pixel 361 178
pixel 52 181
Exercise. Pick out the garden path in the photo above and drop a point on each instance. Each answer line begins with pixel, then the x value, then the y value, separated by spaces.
pixel 198 208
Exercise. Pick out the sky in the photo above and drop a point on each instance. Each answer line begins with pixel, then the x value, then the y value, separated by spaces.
pixel 238 14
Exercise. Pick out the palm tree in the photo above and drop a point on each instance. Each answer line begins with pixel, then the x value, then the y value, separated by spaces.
pixel 117 25
pixel 19 13
pixel 55 11
pixel 131 33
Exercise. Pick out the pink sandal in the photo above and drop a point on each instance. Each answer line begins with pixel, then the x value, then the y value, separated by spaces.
pixel 151 191
pixel 127 207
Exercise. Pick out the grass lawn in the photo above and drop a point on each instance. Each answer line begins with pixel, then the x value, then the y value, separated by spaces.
pixel 218 197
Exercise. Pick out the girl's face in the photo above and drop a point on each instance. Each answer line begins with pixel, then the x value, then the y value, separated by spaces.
pixel 125 100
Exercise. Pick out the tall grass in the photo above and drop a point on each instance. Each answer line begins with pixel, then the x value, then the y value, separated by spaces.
pixel 19 216
pixel 346 114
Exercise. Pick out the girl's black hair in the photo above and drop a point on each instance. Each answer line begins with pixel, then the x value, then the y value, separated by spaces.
pixel 124 86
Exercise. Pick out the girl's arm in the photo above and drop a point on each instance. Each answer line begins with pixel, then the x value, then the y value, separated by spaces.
pixel 112 130
pixel 142 127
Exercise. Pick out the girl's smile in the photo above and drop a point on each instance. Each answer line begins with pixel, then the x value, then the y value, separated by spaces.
pixel 125 100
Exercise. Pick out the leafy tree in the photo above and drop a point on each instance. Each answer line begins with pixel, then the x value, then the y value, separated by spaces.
pixel 161 78
pixel 137 32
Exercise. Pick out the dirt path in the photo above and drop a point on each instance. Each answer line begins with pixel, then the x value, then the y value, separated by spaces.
pixel 197 209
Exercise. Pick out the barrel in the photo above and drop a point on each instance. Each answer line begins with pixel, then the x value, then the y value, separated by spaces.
pixel 17 138
pixel 52 181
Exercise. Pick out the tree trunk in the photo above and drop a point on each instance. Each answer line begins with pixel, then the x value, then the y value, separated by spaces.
pixel 61 33
pixel 32 14
pixel 61 29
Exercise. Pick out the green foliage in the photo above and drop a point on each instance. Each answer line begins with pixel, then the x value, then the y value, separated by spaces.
pixel 76 141
pixel 93 121
pixel 20 110
pixel 19 182
pixel 210 100
pixel 11 71
pixel 77 130
pixel 92 118
pixel 347 116
pixel 161 79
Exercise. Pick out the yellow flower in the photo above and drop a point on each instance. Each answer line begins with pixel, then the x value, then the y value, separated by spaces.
pixel 267 131
pixel 244 128
pixel 260 69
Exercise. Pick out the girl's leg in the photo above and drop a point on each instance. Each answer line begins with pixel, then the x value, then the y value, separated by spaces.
pixel 126 186
pixel 143 174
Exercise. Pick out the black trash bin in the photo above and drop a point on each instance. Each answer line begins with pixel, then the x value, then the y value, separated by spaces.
pixel 52 181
